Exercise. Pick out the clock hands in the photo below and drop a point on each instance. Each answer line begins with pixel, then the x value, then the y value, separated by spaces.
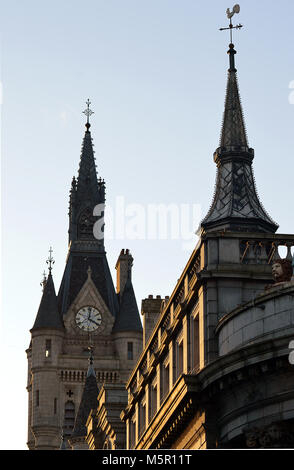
pixel 88 319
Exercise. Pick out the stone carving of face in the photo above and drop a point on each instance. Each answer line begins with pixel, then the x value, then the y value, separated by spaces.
pixel 277 271
pixel 282 270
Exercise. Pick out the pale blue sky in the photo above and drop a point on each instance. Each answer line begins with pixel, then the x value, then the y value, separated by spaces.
pixel 155 72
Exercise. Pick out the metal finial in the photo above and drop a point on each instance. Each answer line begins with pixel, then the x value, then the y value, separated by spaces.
pixel 230 14
pixel 91 370
pixel 50 260
pixel 88 112
pixel 44 280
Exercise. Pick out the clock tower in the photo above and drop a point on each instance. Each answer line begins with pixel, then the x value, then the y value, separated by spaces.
pixel 86 312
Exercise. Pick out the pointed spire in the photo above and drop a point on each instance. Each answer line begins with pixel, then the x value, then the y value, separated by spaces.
pixel 128 318
pixel 233 134
pixel 87 191
pixel 48 315
pixel 236 205
pixel 88 401
pixel 86 194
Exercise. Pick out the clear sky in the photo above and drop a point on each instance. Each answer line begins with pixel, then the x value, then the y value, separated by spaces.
pixel 155 72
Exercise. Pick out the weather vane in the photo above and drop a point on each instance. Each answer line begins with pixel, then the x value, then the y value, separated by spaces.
pixel 50 260
pixel 88 112
pixel 230 14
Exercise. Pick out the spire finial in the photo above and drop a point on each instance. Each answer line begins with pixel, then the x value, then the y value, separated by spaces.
pixel 50 260
pixel 44 280
pixel 230 14
pixel 88 112
pixel 91 360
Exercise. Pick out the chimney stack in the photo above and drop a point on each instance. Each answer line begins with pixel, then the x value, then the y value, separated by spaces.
pixel 150 310
pixel 123 270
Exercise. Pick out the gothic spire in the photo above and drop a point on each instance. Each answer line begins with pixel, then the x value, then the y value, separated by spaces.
pixel 236 205
pixel 87 191
pixel 233 133
pixel 86 248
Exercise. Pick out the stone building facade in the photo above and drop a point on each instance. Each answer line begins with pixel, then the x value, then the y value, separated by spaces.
pixel 215 369
pixel 86 312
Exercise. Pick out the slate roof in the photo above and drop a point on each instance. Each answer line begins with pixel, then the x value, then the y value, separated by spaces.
pixel 128 318
pixel 75 275
pixel 88 402
pixel 48 315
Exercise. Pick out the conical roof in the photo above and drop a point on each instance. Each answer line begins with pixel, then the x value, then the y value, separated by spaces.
pixel 88 402
pixel 233 133
pixel 48 314
pixel 128 318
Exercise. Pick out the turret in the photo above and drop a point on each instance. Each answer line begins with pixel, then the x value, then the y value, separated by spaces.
pixel 46 346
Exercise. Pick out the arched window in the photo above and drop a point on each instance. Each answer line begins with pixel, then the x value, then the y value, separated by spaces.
pixel 69 418
pixel 85 224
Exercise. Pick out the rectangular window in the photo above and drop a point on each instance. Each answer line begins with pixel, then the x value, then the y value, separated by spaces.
pixel 130 351
pixel 37 398
pixel 179 355
pixel 55 406
pixel 132 433
pixel 180 358
pixel 48 348
pixel 195 343
pixel 153 399
pixel 164 380
pixel 142 416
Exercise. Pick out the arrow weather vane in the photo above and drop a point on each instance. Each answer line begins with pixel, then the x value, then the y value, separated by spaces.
pixel 230 14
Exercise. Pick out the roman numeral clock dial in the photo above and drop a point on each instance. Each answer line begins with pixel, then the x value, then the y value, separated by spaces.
pixel 88 319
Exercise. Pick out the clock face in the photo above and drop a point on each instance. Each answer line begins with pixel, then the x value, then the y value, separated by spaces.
pixel 88 319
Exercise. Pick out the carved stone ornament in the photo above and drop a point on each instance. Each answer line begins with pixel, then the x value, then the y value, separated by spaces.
pixel 282 270
pixel 275 435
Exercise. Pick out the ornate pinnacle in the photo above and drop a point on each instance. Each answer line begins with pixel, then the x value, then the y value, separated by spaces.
pixel 44 280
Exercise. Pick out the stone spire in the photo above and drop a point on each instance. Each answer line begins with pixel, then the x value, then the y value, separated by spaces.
pixel 86 193
pixel 235 206
pixel 86 248
pixel 233 134
pixel 88 402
